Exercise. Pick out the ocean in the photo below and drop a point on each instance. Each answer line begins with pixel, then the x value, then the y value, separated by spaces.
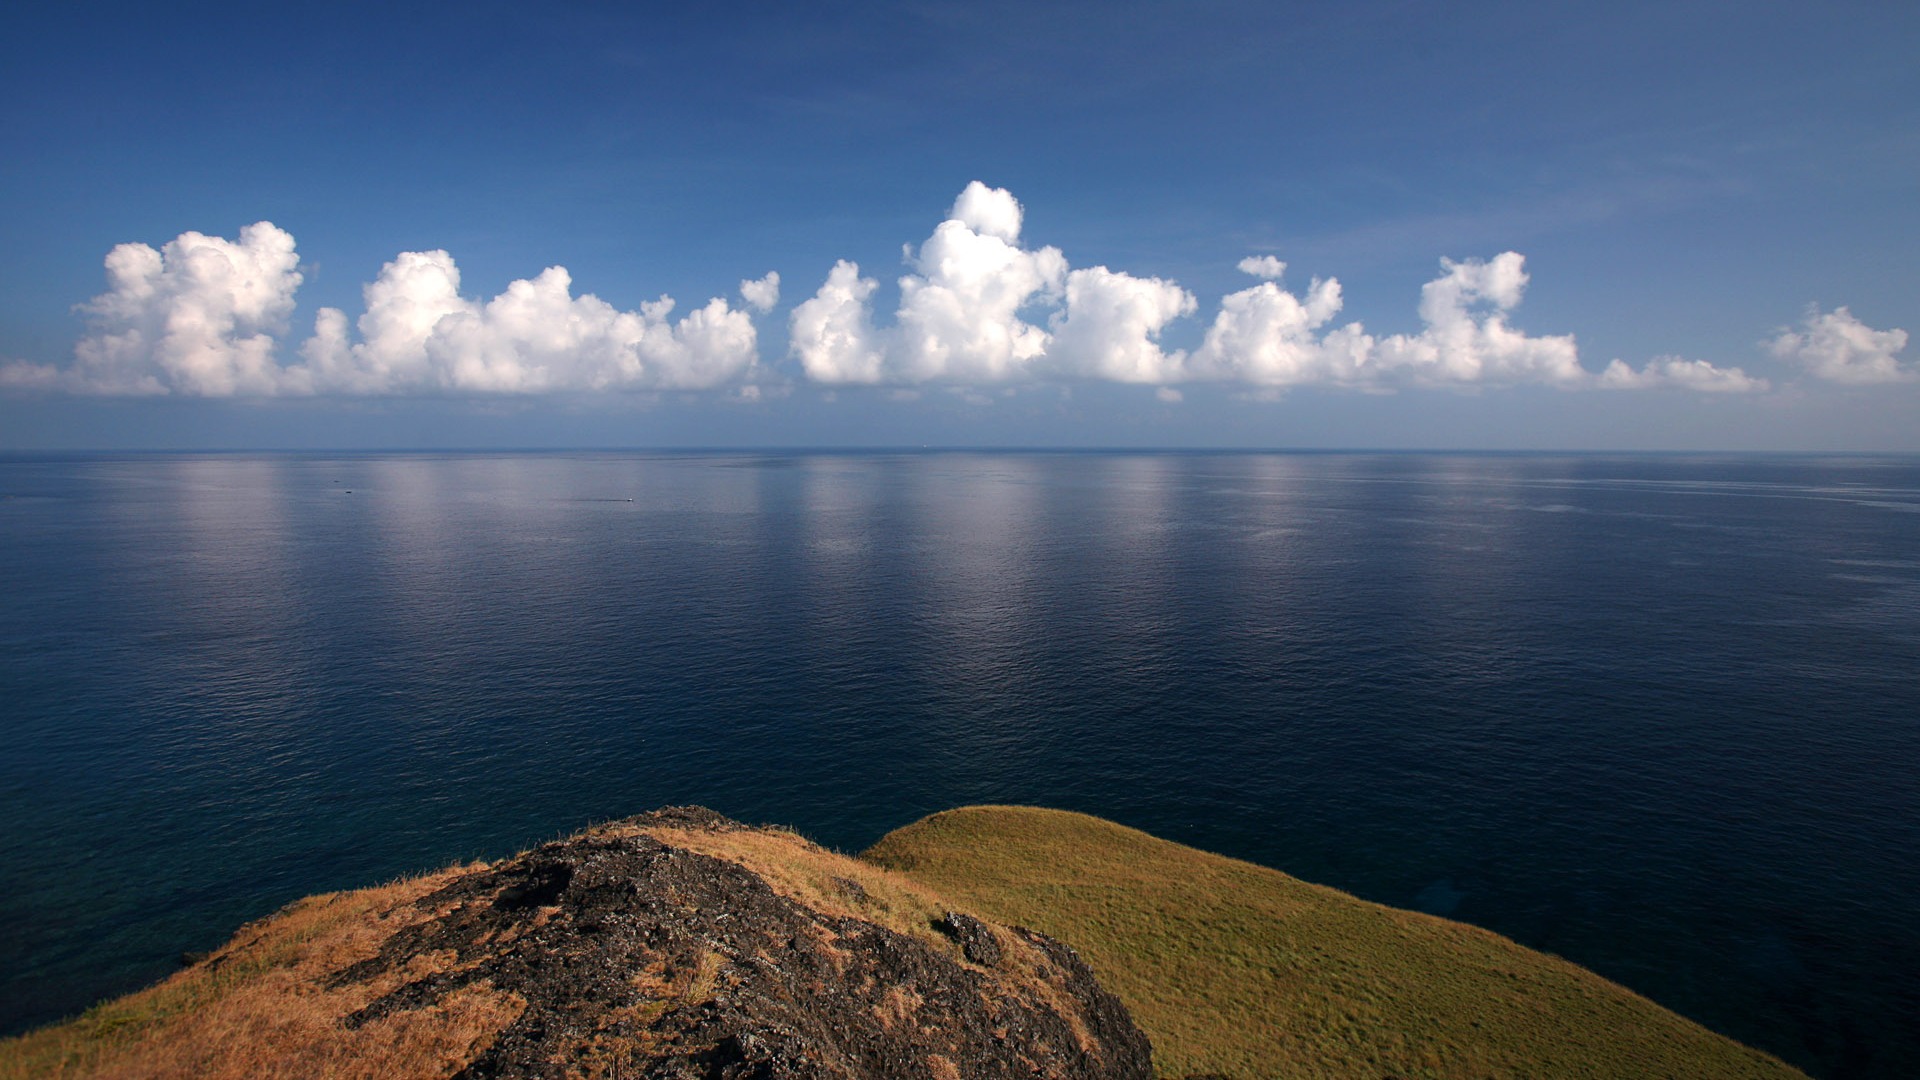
pixel 1658 714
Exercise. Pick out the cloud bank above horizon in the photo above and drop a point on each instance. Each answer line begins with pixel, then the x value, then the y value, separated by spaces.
pixel 210 317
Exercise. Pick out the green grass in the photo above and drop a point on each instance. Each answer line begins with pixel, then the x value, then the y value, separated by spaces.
pixel 1237 969
pixel 1230 968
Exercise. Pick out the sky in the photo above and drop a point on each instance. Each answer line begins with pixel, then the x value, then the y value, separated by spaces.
pixel 1581 226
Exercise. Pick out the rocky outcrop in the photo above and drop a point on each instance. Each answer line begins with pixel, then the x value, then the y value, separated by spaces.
pixel 637 955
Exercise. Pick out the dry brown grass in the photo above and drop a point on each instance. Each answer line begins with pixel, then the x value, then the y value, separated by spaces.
pixel 810 875
pixel 813 876
pixel 262 1006
pixel 1229 967
pixel 259 1006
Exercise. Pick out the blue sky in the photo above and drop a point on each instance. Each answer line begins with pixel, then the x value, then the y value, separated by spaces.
pixel 1069 224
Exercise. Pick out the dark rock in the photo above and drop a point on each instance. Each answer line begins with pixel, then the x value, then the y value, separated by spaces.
pixel 543 886
pixel 639 959
pixel 686 817
pixel 976 941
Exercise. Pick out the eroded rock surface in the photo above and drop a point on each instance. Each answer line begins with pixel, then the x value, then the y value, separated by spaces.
pixel 639 958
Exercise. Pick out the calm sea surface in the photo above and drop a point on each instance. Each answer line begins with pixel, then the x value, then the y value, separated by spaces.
pixel 1660 715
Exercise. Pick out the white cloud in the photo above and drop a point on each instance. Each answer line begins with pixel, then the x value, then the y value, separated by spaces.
pixel 203 316
pixel 1672 371
pixel 199 316
pixel 1169 395
pixel 762 294
pixel 419 333
pixel 832 333
pixel 1263 266
pixel 959 315
pixel 958 319
pixel 25 375
pixel 1111 326
pixel 963 319
pixel 403 306
pixel 988 211
pixel 1269 337
pixel 1467 339
pixel 206 316
pixel 1841 348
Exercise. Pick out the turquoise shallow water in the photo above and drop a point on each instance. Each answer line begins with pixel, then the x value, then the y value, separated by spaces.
pixel 1657 714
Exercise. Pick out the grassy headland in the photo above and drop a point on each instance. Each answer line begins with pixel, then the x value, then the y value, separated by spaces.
pixel 1243 971
pixel 675 944
pixel 1231 969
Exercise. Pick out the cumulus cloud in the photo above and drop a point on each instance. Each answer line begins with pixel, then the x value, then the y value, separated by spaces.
pixel 1263 266
pixel 1839 347
pixel 960 316
pixel 1674 372
pixel 976 306
pixel 198 316
pixel 1467 338
pixel 763 293
pixel 204 316
pixel 1268 336
pixel 1110 327
pixel 25 375
pixel 419 333
pixel 832 333
pixel 968 314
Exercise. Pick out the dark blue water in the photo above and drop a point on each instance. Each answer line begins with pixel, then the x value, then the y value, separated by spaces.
pixel 1660 715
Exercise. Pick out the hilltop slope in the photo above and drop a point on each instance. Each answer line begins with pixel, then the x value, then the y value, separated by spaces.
pixel 674 945
pixel 680 944
pixel 1243 971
